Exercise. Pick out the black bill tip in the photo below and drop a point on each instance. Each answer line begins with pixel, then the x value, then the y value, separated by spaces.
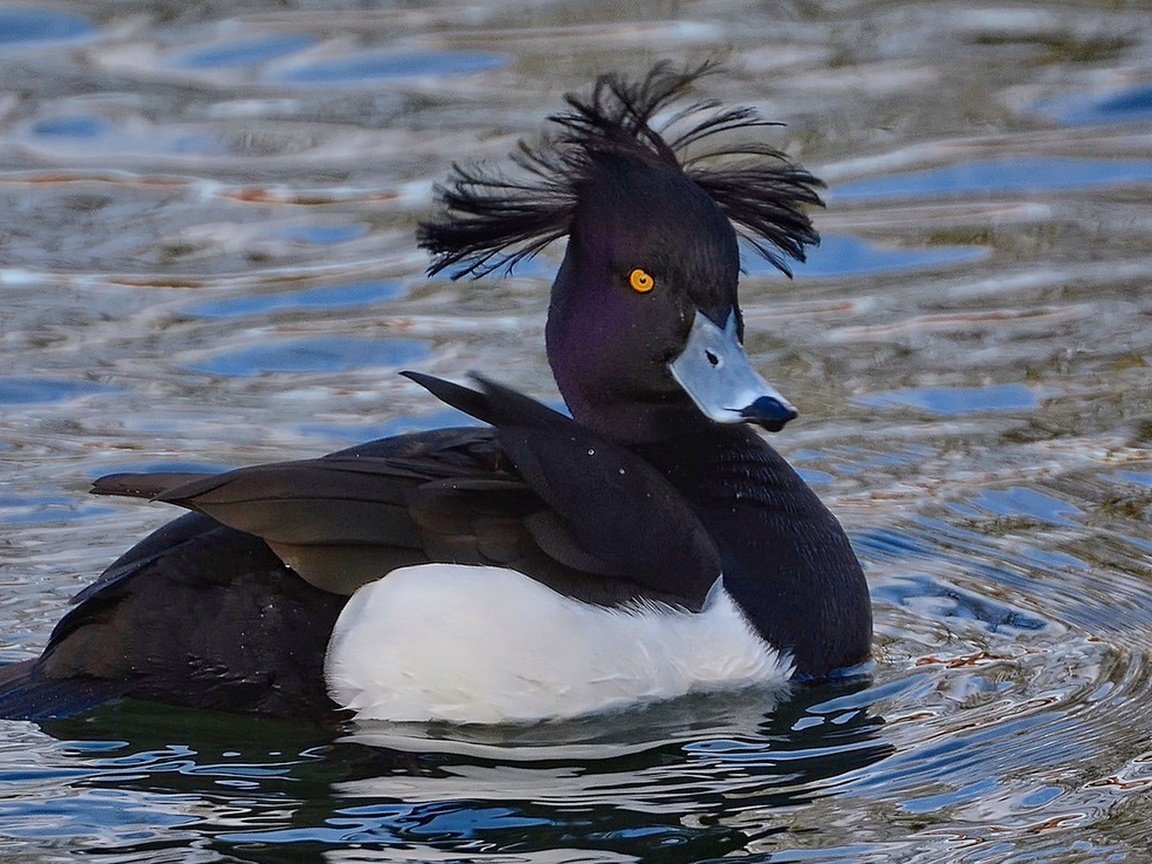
pixel 770 413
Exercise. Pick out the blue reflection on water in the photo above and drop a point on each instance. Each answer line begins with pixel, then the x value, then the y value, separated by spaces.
pixel 845 255
pixel 1133 104
pixel 323 354
pixel 89 127
pixel 882 545
pixel 954 602
pixel 322 235
pixel 1130 105
pixel 393 65
pixel 1020 501
pixel 71 126
pixel 396 823
pixel 247 52
pixel 91 813
pixel 24 391
pixel 37 510
pixel 329 297
pixel 994 176
pixel 19 26
pixel 1143 478
pixel 956 400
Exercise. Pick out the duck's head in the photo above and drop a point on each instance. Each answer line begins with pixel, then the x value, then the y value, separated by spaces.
pixel 644 330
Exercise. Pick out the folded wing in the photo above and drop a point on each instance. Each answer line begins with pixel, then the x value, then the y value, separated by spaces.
pixel 537 493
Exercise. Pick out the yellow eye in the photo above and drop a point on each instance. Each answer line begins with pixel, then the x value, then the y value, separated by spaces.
pixel 641 281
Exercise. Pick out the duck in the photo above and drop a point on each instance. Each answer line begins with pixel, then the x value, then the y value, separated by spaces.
pixel 645 544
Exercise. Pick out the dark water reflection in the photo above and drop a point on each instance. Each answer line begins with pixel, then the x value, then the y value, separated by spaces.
pixel 207 259
pixel 660 784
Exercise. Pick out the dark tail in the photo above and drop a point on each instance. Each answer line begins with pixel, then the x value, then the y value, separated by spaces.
pixel 26 694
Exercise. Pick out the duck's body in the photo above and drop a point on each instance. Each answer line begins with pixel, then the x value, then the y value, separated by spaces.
pixel 649 546
pixel 469 644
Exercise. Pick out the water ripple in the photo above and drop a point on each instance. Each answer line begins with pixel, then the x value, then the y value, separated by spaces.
pixel 209 217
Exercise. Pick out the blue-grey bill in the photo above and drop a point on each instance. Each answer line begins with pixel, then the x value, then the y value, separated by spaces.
pixel 714 371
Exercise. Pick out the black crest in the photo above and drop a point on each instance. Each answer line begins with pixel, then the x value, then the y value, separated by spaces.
pixel 491 220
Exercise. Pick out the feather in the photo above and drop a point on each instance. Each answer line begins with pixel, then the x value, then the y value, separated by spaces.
pixel 490 220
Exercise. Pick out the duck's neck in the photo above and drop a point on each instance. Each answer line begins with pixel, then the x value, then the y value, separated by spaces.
pixel 630 422
pixel 598 368
pixel 786 560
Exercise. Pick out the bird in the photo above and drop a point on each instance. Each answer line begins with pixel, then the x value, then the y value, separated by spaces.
pixel 644 544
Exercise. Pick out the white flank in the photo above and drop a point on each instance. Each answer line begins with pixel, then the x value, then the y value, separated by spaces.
pixel 471 644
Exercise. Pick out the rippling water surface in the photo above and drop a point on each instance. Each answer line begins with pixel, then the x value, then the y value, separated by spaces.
pixel 206 258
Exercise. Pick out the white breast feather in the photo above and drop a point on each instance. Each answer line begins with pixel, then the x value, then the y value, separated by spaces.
pixel 472 644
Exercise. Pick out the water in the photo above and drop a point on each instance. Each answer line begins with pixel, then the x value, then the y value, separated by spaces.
pixel 206 259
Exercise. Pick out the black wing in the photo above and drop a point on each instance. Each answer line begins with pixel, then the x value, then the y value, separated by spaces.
pixel 537 493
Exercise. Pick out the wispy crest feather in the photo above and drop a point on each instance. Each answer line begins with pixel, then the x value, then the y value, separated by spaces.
pixel 490 221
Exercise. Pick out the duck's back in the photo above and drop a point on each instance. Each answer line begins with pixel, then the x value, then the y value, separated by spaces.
pixel 196 614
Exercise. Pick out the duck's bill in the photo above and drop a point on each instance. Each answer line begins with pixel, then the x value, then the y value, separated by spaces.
pixel 714 371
